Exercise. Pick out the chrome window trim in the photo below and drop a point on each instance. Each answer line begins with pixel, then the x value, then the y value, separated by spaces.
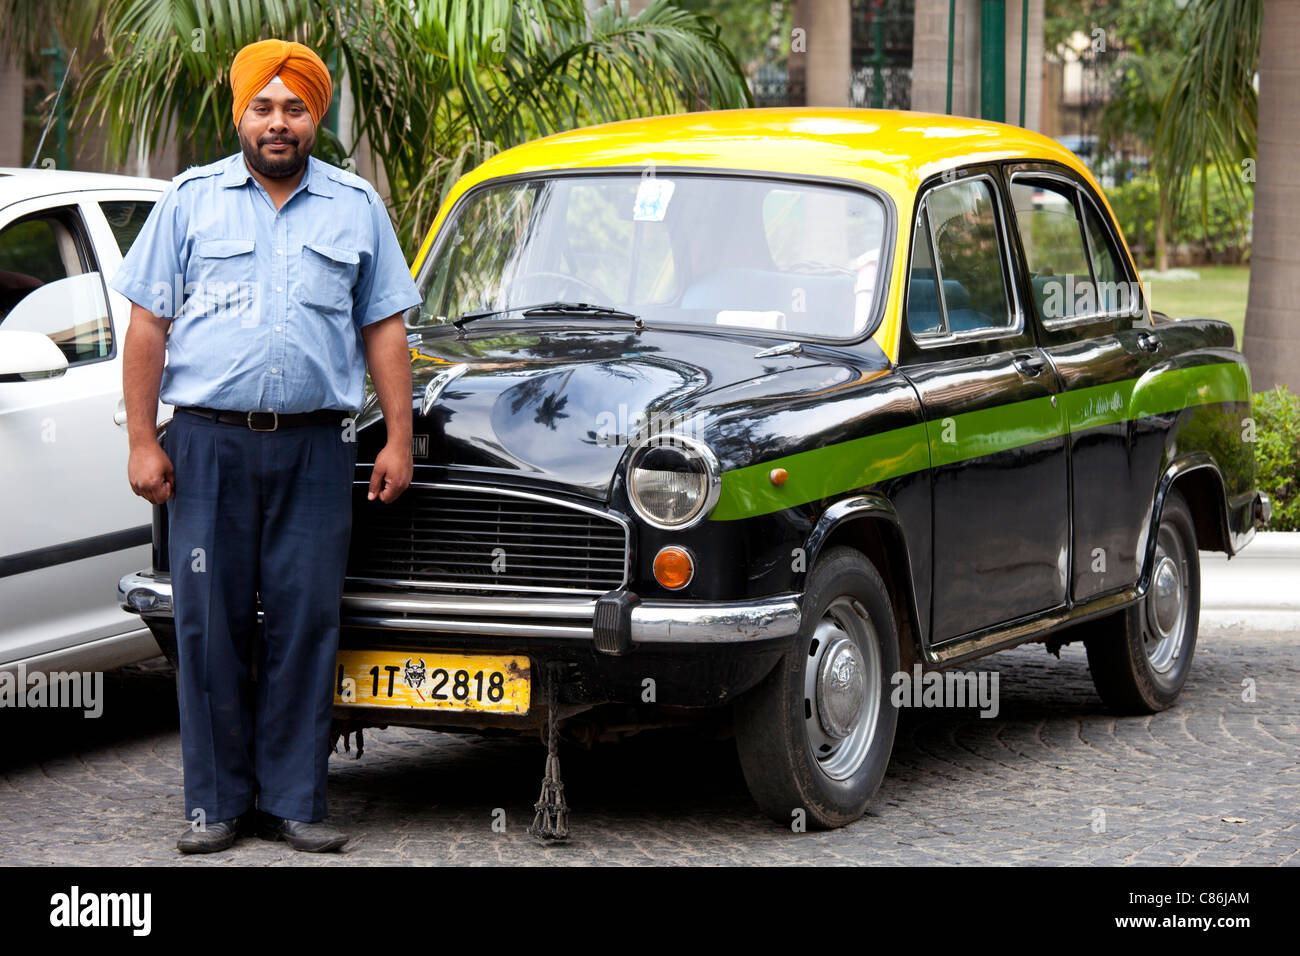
pixel 1017 328
pixel 1090 318
pixel 514 493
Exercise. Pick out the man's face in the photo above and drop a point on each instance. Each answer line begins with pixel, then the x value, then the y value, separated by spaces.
pixel 276 132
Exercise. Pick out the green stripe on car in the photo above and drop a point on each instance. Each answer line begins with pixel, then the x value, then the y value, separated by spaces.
pixel 834 469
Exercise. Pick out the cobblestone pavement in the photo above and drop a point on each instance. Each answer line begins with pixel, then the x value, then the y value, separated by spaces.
pixel 1215 780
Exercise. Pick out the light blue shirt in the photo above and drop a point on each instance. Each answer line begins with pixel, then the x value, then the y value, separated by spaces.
pixel 267 306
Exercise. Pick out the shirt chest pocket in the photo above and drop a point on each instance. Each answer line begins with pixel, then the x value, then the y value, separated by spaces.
pixel 222 274
pixel 328 275
pixel 224 258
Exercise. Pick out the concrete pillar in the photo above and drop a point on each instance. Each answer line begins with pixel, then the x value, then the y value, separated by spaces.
pixel 11 115
pixel 820 51
pixel 930 59
pixel 1033 65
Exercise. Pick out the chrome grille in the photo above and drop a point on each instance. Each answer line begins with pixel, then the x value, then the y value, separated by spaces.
pixel 473 538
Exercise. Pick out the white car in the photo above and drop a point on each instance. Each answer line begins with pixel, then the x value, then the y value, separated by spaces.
pixel 72 526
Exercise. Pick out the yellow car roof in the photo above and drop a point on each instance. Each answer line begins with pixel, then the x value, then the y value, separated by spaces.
pixel 894 150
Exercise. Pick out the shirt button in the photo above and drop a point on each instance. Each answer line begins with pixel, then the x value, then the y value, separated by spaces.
pixel 279 252
pixel 275 371
pixel 277 328
pixel 279 288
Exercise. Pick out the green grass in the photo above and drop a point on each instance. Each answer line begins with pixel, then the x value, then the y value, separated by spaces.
pixel 1220 293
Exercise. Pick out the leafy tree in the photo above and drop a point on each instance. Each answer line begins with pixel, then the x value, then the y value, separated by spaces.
pixel 753 29
pixel 438 85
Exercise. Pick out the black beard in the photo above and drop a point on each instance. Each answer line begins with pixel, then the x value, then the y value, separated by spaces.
pixel 283 168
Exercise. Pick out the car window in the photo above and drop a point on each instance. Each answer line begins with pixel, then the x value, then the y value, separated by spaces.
pixel 971 278
pixel 924 313
pixel 1114 293
pixel 125 217
pixel 1047 218
pixel 45 288
pixel 483 247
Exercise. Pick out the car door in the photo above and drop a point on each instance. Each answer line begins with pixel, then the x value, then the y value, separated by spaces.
pixel 72 526
pixel 995 429
pixel 1092 321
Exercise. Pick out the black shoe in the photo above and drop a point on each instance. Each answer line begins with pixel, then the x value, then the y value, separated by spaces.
pixel 213 838
pixel 316 837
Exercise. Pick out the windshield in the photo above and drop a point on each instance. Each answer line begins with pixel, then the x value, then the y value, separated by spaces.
pixel 700 250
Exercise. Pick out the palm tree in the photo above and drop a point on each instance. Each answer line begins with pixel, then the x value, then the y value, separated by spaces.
pixel 1213 114
pixel 438 85
pixel 1273 306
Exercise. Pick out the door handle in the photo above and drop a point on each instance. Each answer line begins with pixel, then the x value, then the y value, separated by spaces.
pixel 1148 342
pixel 1029 365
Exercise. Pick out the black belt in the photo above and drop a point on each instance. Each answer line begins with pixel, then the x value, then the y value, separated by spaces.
pixel 256 420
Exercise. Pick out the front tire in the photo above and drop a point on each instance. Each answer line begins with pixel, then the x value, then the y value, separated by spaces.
pixel 1142 668
pixel 816 734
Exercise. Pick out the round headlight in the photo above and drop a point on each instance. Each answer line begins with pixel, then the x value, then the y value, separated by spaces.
pixel 673 481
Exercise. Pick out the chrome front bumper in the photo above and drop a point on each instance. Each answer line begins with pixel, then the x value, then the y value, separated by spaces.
pixel 1263 510
pixel 652 622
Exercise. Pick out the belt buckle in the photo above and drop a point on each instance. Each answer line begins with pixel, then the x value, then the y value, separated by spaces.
pixel 275 421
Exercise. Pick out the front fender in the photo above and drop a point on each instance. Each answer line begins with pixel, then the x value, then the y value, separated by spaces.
pixel 871 523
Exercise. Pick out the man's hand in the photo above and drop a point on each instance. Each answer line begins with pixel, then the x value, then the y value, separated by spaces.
pixel 392 474
pixel 390 369
pixel 148 468
pixel 150 472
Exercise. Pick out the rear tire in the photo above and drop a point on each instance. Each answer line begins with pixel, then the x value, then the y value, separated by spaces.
pixel 816 734
pixel 1141 664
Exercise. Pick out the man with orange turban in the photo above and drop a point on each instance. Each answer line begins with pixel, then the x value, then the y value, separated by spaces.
pixel 270 281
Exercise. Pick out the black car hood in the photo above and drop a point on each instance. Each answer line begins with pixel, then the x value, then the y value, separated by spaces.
pixel 560 404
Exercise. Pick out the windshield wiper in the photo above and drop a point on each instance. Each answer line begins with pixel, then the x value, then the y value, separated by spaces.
pixel 460 321
pixel 546 308
pixel 576 308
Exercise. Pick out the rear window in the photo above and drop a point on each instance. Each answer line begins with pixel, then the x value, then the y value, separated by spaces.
pixel 125 218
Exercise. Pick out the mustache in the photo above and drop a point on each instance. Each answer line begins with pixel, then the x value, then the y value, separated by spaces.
pixel 268 140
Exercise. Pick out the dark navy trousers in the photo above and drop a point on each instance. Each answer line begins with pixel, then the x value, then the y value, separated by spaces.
pixel 269 514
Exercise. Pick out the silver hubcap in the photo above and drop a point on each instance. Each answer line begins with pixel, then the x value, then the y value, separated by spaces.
pixel 842 688
pixel 1166 605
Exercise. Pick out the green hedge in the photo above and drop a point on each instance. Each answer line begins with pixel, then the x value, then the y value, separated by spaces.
pixel 1277 454
pixel 1223 236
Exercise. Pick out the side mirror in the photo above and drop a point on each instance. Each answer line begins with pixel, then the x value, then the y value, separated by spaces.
pixel 25 356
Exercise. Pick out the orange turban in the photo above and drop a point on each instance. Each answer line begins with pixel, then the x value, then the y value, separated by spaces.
pixel 301 70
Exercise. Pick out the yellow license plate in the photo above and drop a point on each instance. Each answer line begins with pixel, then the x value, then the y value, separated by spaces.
pixel 437 681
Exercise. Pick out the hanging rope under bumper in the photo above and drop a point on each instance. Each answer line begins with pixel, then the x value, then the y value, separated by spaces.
pixel 343 729
pixel 551 817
